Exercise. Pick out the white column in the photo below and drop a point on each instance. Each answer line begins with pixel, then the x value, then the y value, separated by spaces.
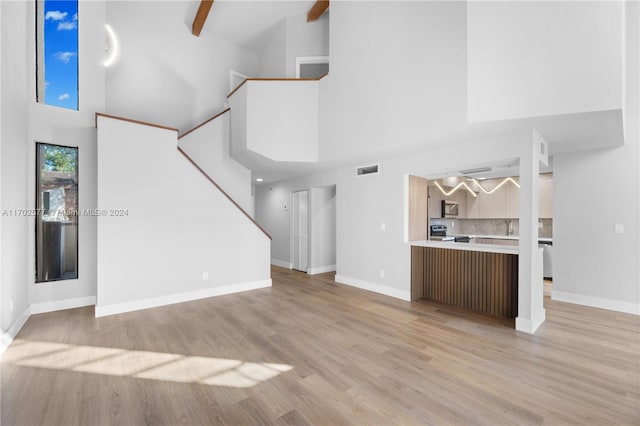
pixel 531 311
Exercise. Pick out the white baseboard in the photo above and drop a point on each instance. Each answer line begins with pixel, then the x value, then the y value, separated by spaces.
pixel 531 325
pixel 596 302
pixel 59 305
pixel 376 288
pixel 153 302
pixel 282 263
pixel 7 338
pixel 321 269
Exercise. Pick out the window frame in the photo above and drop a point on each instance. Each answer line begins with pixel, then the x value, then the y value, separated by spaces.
pixel 39 211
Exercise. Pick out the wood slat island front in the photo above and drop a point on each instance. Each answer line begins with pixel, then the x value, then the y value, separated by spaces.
pixel 484 281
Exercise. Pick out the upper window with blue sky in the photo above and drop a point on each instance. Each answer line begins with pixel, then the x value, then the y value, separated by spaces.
pixel 57 52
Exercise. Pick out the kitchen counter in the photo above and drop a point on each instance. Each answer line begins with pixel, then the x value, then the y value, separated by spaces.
pixel 489 248
pixel 500 237
pixel 481 277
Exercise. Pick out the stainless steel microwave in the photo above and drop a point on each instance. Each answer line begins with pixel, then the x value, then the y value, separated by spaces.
pixel 449 208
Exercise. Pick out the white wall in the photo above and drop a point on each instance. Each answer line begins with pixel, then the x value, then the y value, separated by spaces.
pixel 305 39
pixel 14 143
pixel 72 128
pixel 178 226
pixel 273 51
pixel 542 58
pixel 208 146
pixel 398 74
pixel 364 203
pixel 593 191
pixel 291 37
pixel 166 75
pixel 273 210
pixel 322 219
pixel 282 119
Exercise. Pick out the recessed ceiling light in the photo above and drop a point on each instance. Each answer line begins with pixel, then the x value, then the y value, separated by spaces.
pixel 259 180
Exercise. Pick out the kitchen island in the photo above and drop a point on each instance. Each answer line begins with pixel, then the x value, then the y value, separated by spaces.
pixel 481 277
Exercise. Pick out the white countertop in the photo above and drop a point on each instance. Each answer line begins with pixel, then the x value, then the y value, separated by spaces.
pixel 490 248
pixel 499 237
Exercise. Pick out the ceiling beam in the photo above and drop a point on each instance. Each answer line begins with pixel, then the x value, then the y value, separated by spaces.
pixel 318 9
pixel 201 16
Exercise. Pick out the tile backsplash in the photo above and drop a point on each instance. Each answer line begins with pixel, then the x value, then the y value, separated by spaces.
pixel 491 226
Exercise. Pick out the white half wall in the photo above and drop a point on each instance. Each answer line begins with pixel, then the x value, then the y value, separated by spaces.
pixel 179 237
pixel 208 146
pixel 282 119
pixel 542 58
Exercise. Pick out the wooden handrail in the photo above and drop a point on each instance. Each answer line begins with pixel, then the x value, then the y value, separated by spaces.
pixel 204 122
pixel 224 192
pixel 275 79
pixel 144 123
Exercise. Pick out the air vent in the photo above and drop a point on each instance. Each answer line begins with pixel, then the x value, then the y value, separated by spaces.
pixel 367 170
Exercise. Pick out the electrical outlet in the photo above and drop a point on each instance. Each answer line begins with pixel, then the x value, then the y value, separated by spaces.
pixel 383 226
pixel 205 275
pixel 11 305
pixel 619 228
pixel 381 273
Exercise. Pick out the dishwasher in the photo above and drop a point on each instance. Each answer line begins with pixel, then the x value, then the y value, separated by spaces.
pixel 547 259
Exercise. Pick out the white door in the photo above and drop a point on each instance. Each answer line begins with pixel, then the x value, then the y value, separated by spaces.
pixel 300 230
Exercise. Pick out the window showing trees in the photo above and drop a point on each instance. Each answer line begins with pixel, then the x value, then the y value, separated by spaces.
pixel 57 207
pixel 57 52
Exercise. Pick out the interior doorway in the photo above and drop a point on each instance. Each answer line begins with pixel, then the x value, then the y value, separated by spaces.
pixel 300 230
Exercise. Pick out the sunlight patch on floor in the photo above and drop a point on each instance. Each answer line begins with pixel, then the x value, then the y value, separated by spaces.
pixel 142 364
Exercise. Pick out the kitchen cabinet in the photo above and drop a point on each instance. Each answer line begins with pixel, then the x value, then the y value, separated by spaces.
pixel 492 206
pixel 435 198
pixel 504 203
pixel 435 201
pixel 512 201
pixel 417 208
pixel 483 281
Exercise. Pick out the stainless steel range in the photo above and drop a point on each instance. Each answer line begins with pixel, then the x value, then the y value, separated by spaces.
pixel 439 233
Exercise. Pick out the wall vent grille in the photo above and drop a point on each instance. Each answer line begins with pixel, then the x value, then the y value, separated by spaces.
pixel 368 170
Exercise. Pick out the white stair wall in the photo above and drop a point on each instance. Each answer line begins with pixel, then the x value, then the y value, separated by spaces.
pixel 208 146
pixel 163 226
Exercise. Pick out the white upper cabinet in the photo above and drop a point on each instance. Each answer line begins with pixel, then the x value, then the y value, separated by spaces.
pixel 512 201
pixel 504 203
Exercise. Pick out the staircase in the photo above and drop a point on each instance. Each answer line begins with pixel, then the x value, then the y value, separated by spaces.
pixel 168 232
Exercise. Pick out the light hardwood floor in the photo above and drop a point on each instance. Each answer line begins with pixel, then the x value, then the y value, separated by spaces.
pixel 309 351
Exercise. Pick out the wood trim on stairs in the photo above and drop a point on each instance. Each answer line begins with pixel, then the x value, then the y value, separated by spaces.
pixel 204 122
pixel 98 114
pixel 276 79
pixel 144 123
pixel 224 192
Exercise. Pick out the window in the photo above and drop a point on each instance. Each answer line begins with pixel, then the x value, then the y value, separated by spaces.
pixel 57 207
pixel 57 53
